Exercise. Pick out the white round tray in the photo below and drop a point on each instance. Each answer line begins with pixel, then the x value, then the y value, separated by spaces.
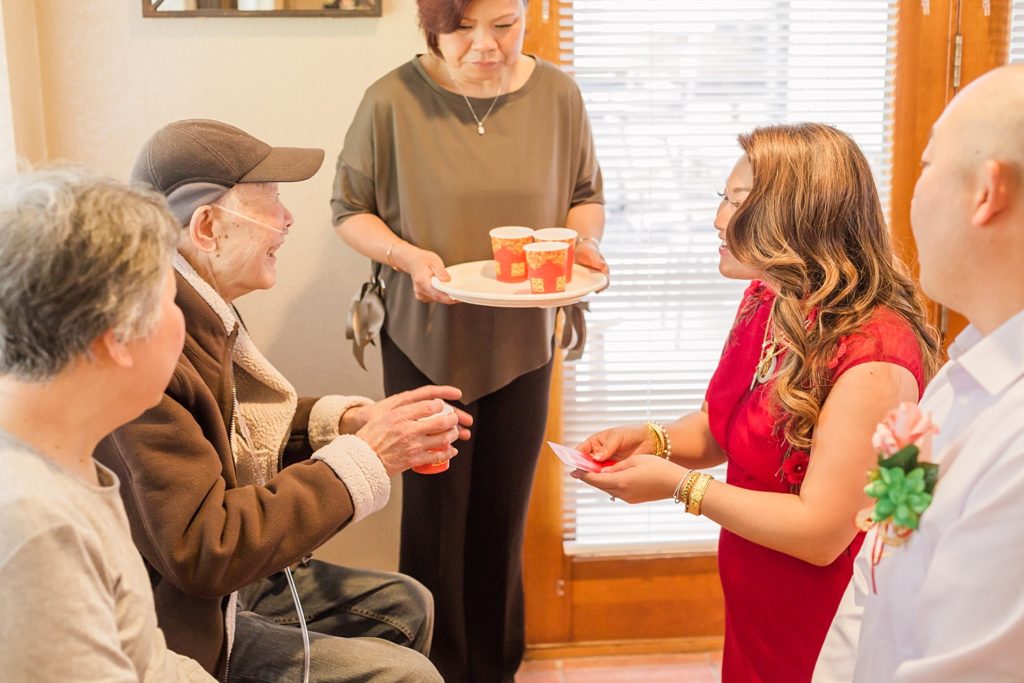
pixel 475 283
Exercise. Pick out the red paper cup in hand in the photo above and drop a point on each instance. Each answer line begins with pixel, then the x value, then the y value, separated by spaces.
pixel 435 468
pixel 507 245
pixel 567 235
pixel 545 266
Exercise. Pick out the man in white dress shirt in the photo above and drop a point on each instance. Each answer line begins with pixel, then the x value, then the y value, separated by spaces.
pixel 950 603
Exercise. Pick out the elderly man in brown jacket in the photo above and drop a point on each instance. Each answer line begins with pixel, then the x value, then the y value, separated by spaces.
pixel 233 480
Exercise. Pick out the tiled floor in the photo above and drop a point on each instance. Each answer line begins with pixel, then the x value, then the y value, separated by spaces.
pixel 678 668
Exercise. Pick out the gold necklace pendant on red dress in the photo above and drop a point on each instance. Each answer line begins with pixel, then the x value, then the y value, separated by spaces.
pixel 768 360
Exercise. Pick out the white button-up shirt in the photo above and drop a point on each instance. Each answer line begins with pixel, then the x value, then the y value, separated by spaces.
pixel 950 602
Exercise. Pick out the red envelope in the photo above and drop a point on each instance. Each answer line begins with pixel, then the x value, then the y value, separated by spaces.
pixel 576 460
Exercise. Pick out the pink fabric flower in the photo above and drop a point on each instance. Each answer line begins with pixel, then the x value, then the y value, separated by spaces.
pixel 905 426
pixel 794 468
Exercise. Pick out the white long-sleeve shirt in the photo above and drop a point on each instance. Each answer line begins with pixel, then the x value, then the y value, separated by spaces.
pixel 950 602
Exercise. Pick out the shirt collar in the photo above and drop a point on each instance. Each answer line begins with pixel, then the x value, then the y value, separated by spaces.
pixel 995 360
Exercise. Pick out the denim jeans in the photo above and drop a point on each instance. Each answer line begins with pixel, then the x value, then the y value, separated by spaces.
pixel 363 626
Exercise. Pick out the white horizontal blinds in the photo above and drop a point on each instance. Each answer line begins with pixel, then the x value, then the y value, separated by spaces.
pixel 1017 31
pixel 668 85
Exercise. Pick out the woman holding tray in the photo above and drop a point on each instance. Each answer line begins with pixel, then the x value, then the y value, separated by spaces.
pixel 470 136
pixel 829 337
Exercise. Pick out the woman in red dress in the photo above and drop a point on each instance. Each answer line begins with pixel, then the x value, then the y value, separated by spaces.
pixel 830 336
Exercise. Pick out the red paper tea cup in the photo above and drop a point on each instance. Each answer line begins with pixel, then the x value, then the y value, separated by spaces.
pixel 507 245
pixel 545 266
pixel 567 235
pixel 431 468
pixel 435 468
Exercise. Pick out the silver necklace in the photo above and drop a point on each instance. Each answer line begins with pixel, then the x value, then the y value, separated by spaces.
pixel 479 121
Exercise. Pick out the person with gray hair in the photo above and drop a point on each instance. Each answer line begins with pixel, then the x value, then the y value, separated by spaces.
pixel 234 480
pixel 89 336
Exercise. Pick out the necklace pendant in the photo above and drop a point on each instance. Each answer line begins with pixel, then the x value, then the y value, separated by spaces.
pixel 767 362
pixel 764 371
pixel 480 129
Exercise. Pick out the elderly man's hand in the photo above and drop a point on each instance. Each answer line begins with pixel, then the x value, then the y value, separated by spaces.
pixel 397 431
pixel 356 417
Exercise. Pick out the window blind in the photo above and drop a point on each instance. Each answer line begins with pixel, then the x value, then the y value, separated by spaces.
pixel 1017 31
pixel 668 85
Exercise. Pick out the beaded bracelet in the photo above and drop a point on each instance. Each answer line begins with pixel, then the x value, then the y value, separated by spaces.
pixel 668 440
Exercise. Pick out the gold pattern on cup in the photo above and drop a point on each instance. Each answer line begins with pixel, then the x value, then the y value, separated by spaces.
pixel 514 245
pixel 552 260
pixel 509 259
pixel 566 235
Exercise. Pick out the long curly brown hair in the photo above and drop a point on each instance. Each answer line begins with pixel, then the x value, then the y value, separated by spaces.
pixel 813 224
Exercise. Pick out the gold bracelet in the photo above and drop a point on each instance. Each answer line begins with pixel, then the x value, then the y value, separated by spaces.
pixel 679 487
pixel 668 441
pixel 684 495
pixel 657 433
pixel 652 431
pixel 696 497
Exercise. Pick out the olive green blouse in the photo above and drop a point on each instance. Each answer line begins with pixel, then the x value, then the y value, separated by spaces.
pixel 413 157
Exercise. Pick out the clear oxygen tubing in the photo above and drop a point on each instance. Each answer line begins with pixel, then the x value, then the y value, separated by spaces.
pixel 302 623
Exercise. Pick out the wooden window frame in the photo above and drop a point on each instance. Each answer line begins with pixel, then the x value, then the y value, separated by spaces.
pixel 631 605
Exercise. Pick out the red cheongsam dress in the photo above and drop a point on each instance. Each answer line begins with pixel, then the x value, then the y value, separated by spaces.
pixel 778 608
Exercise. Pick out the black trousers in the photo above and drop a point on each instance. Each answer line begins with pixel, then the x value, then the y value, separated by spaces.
pixel 462 531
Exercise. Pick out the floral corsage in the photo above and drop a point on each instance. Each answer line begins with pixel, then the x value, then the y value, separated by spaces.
pixel 903 482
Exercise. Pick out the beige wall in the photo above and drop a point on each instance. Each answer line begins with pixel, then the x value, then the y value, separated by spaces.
pixel 22 53
pixel 107 78
pixel 6 125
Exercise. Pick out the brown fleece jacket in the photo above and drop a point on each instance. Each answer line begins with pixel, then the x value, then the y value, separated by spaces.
pixel 202 535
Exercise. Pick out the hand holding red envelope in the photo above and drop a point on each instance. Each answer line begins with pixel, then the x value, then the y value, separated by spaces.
pixel 576 460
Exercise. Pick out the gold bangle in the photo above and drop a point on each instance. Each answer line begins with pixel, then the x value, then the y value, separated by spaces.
pixel 657 433
pixel 696 497
pixel 655 440
pixel 684 495
pixel 668 441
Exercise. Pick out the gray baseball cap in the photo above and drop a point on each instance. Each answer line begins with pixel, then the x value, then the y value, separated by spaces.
pixel 195 161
